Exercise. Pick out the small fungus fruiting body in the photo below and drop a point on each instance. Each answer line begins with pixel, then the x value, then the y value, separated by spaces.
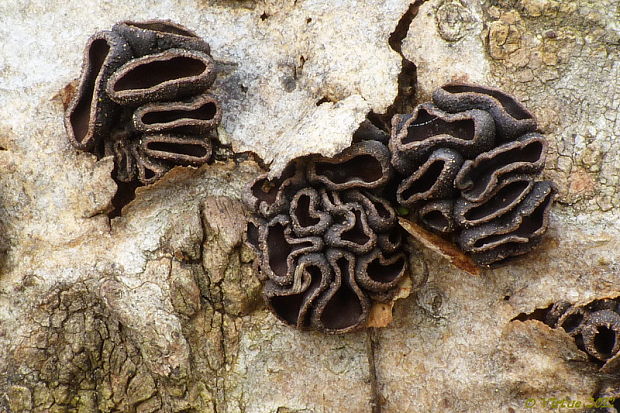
pixel 142 98
pixel 595 327
pixel 328 242
pixel 468 165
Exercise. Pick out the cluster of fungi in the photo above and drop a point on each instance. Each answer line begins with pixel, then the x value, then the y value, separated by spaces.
pixel 595 327
pixel 465 166
pixel 142 99
pixel 469 164
pixel 329 243
pixel 326 230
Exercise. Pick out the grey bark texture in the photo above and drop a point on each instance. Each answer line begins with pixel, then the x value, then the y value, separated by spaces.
pixel 159 309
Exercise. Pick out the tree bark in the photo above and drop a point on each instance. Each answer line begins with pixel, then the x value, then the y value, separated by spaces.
pixel 159 309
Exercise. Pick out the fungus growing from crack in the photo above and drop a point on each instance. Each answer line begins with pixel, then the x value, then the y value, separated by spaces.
pixel 142 99
pixel 328 242
pixel 595 327
pixel 468 165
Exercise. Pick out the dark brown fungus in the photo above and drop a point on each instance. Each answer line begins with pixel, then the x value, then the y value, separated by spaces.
pixel 556 311
pixel 502 199
pixel 391 241
pixel 91 113
pixel 255 225
pixel 604 304
pixel 154 36
pixel 330 228
pixel 344 306
pixel 380 272
pixel 306 214
pixel 280 248
pixel 513 234
pixel 197 115
pixel 478 178
pixel 433 180
pixel 294 302
pixel 178 149
pixel 369 132
pixel 437 215
pixel 162 66
pixel 595 327
pixel 149 170
pixel 271 196
pixel 125 159
pixel 572 320
pixel 468 164
pixel 380 215
pixel 601 334
pixel 350 229
pixel 363 165
pixel 169 75
pixel 429 128
pixel 512 119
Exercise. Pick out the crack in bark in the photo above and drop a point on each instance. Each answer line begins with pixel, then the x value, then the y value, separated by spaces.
pixel 371 343
pixel 403 103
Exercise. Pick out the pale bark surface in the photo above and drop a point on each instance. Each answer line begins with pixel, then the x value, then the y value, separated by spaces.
pixel 159 309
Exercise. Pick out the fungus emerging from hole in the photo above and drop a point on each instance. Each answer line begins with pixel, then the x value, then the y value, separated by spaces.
pixel 468 165
pixel 595 327
pixel 328 243
pixel 142 99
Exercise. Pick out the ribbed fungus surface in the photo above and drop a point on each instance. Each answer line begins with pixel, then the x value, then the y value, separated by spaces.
pixel 468 166
pixel 327 240
pixel 512 119
pixel 142 98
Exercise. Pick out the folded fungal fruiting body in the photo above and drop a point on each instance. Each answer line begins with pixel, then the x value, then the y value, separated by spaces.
pixel 595 328
pixel 328 243
pixel 142 98
pixel 468 167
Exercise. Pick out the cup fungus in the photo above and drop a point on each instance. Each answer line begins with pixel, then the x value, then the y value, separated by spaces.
pixel 468 165
pixel 595 328
pixel 142 99
pixel 328 243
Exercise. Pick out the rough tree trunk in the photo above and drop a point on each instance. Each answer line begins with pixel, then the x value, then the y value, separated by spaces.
pixel 159 309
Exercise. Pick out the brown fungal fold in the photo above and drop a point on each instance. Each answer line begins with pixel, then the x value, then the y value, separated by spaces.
pixel 154 36
pixel 149 170
pixel 294 303
pixel 335 246
pixel 601 334
pixel 363 165
pixel 91 112
pixel 141 99
pixel 169 75
pixel 380 272
pixel 503 198
pixel 179 149
pixel 280 248
pixel 433 180
pixel 197 115
pixel 515 233
pixel 429 128
pixel 344 306
pixel 478 177
pixel 271 196
pixel 572 320
pixel 438 215
pixel 512 119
